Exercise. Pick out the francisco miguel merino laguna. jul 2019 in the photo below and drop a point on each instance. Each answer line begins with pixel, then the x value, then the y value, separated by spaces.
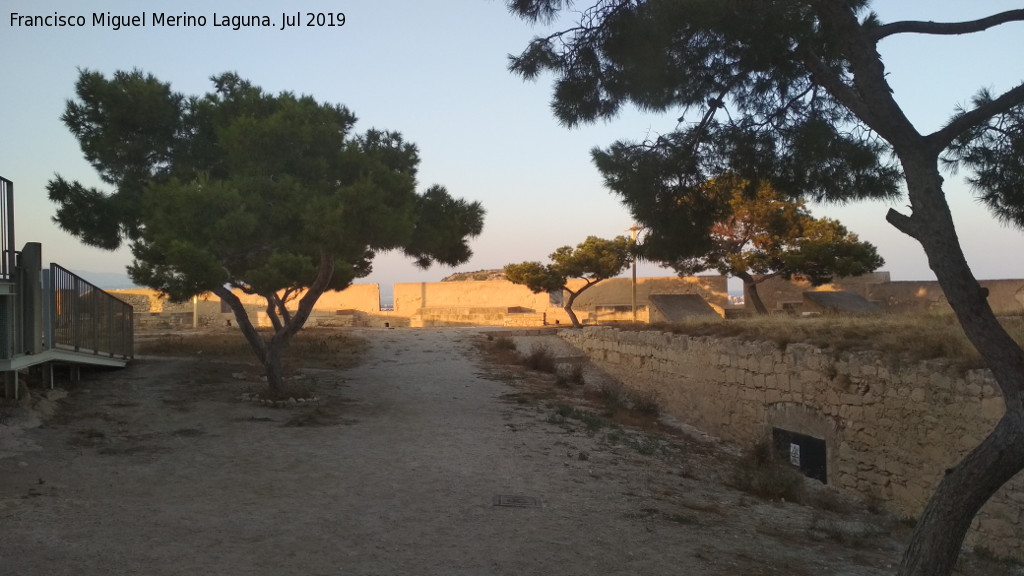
pixel 183 20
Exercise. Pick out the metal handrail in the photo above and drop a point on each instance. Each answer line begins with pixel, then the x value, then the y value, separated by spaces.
pixel 84 318
pixel 7 252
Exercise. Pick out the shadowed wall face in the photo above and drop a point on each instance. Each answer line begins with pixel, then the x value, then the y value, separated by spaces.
pixel 889 429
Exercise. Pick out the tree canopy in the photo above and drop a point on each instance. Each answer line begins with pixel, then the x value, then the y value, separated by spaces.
pixel 273 195
pixel 760 237
pixel 593 260
pixel 794 93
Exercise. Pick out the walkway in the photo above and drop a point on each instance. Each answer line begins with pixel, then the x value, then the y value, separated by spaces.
pixel 159 469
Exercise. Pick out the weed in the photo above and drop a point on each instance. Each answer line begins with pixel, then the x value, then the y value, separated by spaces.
pixel 708 507
pixel 758 472
pixel 591 421
pixel 613 395
pixel 853 534
pixel 331 347
pixel 583 456
pixel 503 343
pixel 830 500
pixel 574 374
pixel 646 445
pixel 645 401
pixel 540 359
pixel 615 436
pixel 680 519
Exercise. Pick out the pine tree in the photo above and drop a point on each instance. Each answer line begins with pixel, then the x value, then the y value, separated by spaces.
pixel 273 195
pixel 794 93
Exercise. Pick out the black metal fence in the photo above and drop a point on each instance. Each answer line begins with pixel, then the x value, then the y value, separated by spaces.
pixel 87 319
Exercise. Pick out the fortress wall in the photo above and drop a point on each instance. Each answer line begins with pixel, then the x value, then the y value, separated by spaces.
pixel 431 299
pixel 361 297
pixel 890 428
pixel 777 291
pixel 469 294
pixel 1005 296
pixel 617 291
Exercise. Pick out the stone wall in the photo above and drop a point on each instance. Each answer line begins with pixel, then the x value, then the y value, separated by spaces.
pixel 1005 296
pixel 890 428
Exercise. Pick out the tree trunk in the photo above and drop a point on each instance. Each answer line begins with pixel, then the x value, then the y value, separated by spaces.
pixel 750 295
pixel 274 369
pixel 939 534
pixel 572 298
pixel 572 315
pixel 938 537
pixel 269 351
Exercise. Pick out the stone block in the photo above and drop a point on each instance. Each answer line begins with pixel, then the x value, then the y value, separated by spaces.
pixel 993 408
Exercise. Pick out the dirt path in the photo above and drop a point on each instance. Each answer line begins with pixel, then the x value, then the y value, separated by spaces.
pixel 160 469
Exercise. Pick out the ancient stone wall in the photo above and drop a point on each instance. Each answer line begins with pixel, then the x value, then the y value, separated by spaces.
pixel 494 294
pixel 1005 296
pixel 890 428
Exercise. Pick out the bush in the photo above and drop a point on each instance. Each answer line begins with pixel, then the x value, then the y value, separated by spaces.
pixel 540 359
pixel 613 394
pixel 504 343
pixel 645 401
pixel 757 472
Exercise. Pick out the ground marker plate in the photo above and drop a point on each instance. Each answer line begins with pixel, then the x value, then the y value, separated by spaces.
pixel 516 501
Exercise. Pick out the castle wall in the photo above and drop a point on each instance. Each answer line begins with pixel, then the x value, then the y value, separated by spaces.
pixel 890 428
pixel 1005 296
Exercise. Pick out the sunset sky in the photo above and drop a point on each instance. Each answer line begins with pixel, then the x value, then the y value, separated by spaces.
pixel 436 71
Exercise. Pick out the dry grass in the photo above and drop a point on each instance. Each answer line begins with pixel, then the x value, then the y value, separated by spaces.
pixel 757 472
pixel 312 347
pixel 540 359
pixel 913 337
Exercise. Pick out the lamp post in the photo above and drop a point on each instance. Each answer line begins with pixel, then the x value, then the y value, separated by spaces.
pixel 633 231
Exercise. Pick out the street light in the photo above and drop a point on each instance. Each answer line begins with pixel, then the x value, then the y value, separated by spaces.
pixel 633 231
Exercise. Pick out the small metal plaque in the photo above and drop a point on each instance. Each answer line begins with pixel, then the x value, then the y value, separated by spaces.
pixel 516 501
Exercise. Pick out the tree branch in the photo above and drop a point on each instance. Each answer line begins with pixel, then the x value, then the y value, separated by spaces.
pixel 871 92
pixel 947 28
pixel 903 223
pixel 313 293
pixel 938 141
pixel 272 312
pixel 831 81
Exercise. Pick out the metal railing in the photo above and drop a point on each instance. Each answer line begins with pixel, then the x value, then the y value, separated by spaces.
pixel 84 318
pixel 7 253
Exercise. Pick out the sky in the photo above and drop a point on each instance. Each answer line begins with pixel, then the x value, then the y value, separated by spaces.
pixel 437 73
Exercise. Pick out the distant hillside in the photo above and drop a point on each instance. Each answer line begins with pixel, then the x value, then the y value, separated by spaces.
pixel 478 276
pixel 107 280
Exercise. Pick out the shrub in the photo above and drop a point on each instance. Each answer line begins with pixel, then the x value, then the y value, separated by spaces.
pixel 613 394
pixel 504 343
pixel 758 472
pixel 540 359
pixel 645 401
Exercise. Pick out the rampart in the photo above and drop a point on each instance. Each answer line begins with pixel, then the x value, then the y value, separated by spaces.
pixel 499 302
pixel 487 303
pixel 913 296
pixel 890 428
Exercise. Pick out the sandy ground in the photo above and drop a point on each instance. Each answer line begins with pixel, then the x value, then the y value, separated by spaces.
pixel 425 459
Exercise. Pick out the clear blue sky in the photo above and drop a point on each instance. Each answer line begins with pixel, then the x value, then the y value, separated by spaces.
pixel 436 71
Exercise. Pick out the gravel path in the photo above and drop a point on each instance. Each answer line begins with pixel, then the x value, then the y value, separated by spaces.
pixel 160 469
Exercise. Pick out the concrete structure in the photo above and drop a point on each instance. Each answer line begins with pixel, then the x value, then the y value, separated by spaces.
pixel 501 303
pixel 678 307
pixel 49 315
pixel 838 302
pixel 1005 296
pixel 890 428
pixel 487 303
